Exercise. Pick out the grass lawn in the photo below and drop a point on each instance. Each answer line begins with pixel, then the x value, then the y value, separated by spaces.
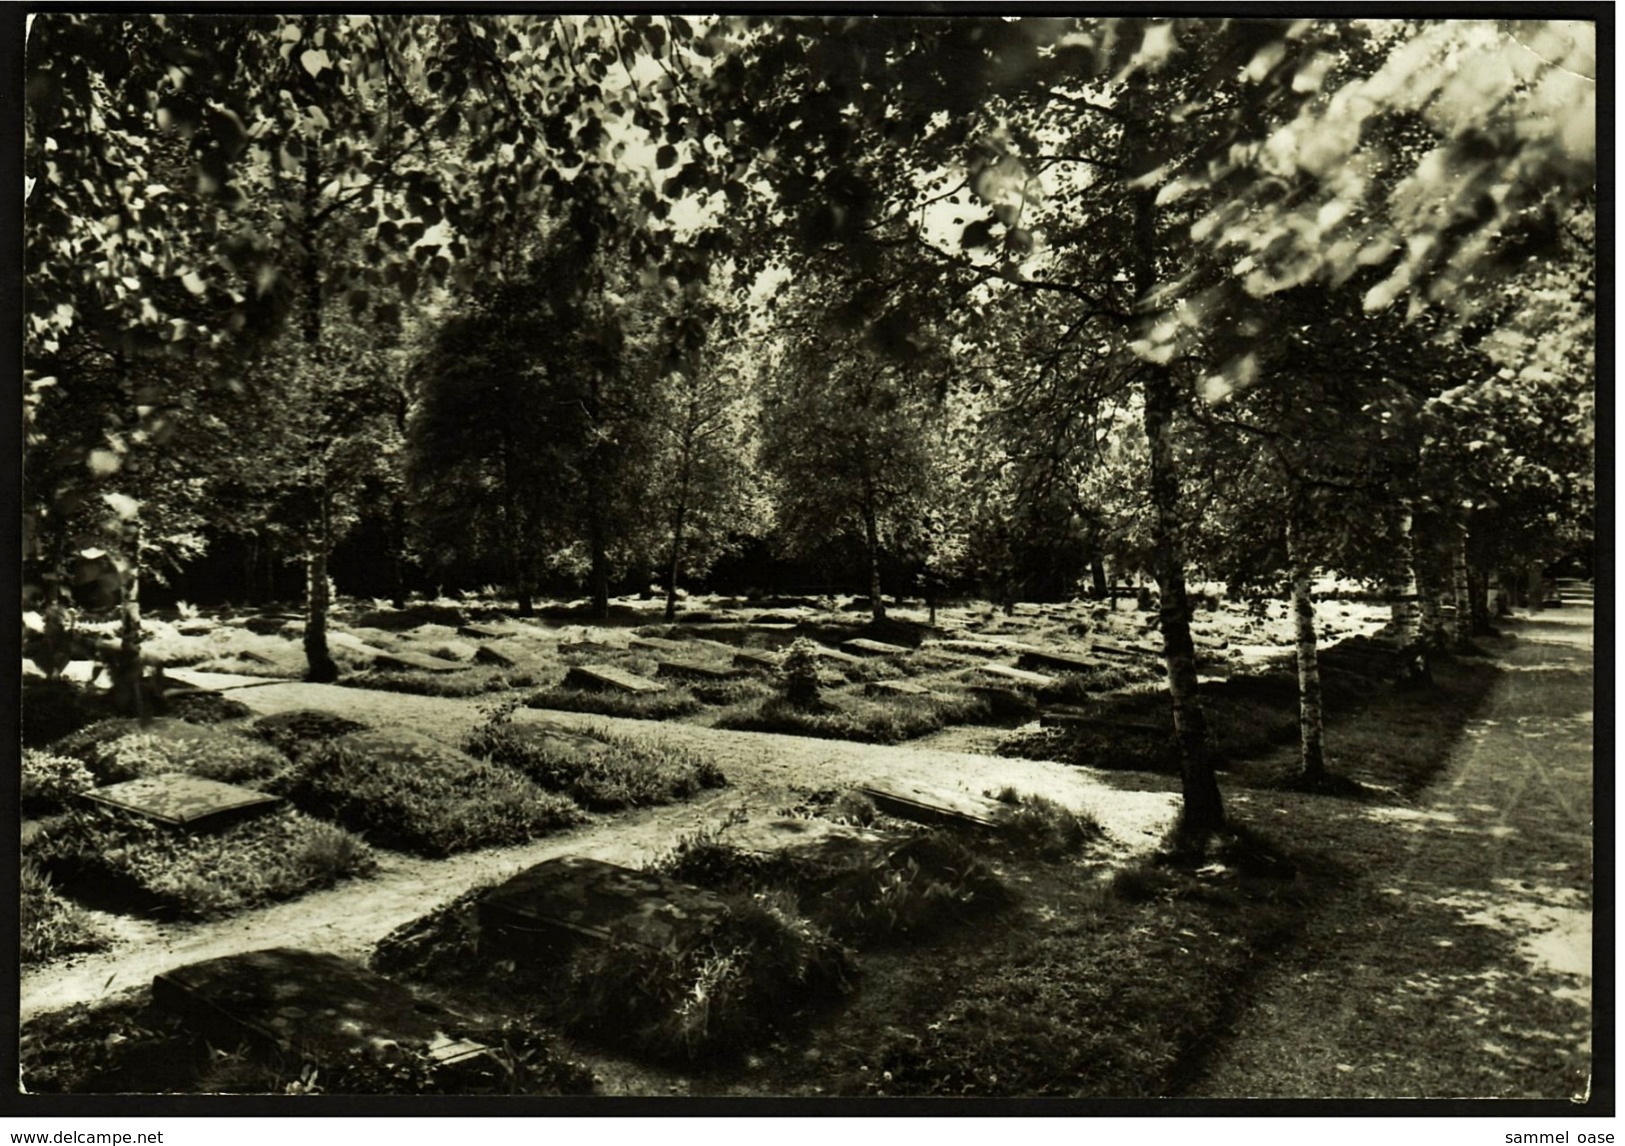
pixel 871 720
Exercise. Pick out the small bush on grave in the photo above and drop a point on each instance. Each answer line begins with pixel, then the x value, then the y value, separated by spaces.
pixel 48 925
pixel 1041 827
pixel 50 780
pixel 762 970
pixel 202 875
pixel 294 733
pixel 412 793
pixel 798 672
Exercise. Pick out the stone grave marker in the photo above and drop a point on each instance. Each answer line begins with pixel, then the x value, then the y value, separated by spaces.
pixel 1063 716
pixel 928 805
pixel 1017 676
pixel 410 660
pixel 656 644
pixel 697 670
pixel 757 659
pixel 599 677
pixel 547 909
pixel 1133 652
pixel 308 1003
pixel 968 645
pixel 864 647
pixel 1056 662
pixel 180 800
pixel 480 632
pixel 558 737
pixel 828 654
pixel 486 655
pixel 257 658
pixel 814 840
pixel 897 688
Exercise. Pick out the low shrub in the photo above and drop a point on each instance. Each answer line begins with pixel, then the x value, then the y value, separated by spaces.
pixel 622 773
pixel 200 875
pixel 672 702
pixel 761 971
pixel 293 733
pixel 1038 826
pixel 49 926
pixel 123 749
pixel 798 672
pixel 52 709
pixel 476 680
pixel 207 708
pixel 725 692
pixel 50 780
pixel 872 721
pixel 409 792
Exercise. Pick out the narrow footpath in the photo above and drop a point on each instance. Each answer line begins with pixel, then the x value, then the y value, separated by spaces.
pixel 1458 960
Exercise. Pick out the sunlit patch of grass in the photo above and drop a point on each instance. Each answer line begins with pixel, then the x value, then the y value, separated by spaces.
pixel 664 705
pixel 474 680
pixel 48 925
pixel 888 720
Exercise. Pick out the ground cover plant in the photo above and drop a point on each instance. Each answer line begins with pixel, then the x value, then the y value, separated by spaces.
pixel 472 680
pixel 134 864
pixel 206 708
pixel 414 794
pixel 123 749
pixel 673 701
pixel 872 720
pixel 49 780
pixel 130 1045
pixel 607 772
pixel 296 732
pixel 49 926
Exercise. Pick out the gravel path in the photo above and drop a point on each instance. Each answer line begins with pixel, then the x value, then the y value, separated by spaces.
pixel 764 771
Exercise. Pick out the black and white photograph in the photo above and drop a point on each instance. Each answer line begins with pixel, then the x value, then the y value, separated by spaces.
pixel 637 559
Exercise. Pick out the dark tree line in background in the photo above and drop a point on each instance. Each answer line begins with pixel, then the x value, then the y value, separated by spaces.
pixel 918 305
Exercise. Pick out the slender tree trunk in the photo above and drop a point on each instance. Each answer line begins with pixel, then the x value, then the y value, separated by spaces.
pixel 1311 718
pixel 128 695
pixel 871 539
pixel 1097 575
pixel 1460 589
pixel 397 546
pixel 1404 616
pixel 676 563
pixel 598 575
pixel 1430 609
pixel 319 664
pixel 1478 590
pixel 1203 808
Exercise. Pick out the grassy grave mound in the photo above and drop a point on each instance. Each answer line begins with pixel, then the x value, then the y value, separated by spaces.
pixel 124 749
pixel 673 701
pixel 924 882
pixel 204 707
pixel 296 732
pixel 472 680
pixel 879 720
pixel 135 864
pixel 409 792
pixel 603 771
pixel 48 925
pixel 132 1046
pixel 762 971
pixel 1042 828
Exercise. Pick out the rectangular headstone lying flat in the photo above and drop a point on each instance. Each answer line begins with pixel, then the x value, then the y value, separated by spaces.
pixel 547 909
pixel 828 654
pixel 480 632
pixel 609 677
pixel 314 1004
pixel 897 688
pixel 1057 662
pixel 184 801
pixel 408 660
pixel 696 670
pixel 967 645
pixel 1107 648
pixel 486 655
pixel 1065 716
pixel 756 659
pixel 929 805
pixel 864 647
pixel 1017 676
pixel 656 644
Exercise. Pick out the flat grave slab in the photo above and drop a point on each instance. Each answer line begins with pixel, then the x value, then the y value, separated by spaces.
pixel 1057 662
pixel 778 618
pixel 609 677
pixel 757 659
pixel 559 738
pixel 183 801
pixel 257 658
pixel 864 647
pixel 967 645
pixel 486 655
pixel 897 688
pixel 924 804
pixel 828 654
pixel 553 906
pixel 697 670
pixel 409 660
pixel 656 644
pixel 315 1004
pixel 1015 675
pixel 1064 716
pixel 1135 651
pixel 817 841
pixel 481 632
